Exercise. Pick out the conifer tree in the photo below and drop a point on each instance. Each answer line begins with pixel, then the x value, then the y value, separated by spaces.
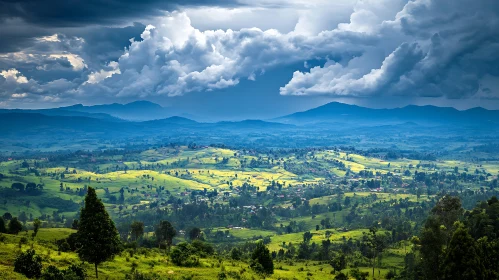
pixel 261 260
pixel 97 233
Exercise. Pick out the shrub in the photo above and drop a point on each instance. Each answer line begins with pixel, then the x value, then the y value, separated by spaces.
pixel 29 264
pixel 341 276
pixel 64 246
pixel 184 255
pixel 359 275
pixel 75 272
pixel 391 275
pixel 52 273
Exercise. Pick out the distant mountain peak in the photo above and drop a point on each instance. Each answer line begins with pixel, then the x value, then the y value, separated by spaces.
pixel 143 103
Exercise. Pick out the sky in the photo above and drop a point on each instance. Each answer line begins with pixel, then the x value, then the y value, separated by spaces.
pixel 249 58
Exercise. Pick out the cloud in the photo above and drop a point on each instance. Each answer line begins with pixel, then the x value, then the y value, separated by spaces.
pixel 76 13
pixel 174 58
pixel 14 76
pixel 97 77
pixel 445 50
pixel 418 48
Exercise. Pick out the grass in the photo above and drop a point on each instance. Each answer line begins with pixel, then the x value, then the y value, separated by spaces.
pixel 149 261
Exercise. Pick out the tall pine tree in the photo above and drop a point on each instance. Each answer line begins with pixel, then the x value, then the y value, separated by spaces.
pixel 97 234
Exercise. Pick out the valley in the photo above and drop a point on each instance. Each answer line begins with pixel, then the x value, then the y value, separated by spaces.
pixel 296 201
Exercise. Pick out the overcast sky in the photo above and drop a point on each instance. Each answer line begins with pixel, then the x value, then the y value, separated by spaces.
pixel 249 58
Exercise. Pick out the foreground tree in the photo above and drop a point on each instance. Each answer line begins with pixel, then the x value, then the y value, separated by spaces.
pixel 97 234
pixel 3 228
pixel 165 232
pixel 261 260
pixel 15 226
pixel 36 227
pixel 137 230
pixel 462 260
pixel 29 264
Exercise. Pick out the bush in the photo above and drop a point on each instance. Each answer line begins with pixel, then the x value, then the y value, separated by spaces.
pixel 201 248
pixel 29 264
pixel 235 254
pixel 359 275
pixel 184 255
pixel 341 276
pixel 73 272
pixel 64 246
pixel 52 273
pixel 391 275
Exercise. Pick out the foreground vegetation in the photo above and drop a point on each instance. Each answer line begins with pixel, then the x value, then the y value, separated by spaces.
pixel 191 212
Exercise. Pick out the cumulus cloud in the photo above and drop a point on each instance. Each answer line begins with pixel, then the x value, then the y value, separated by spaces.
pixel 417 48
pixel 446 49
pixel 14 76
pixel 174 58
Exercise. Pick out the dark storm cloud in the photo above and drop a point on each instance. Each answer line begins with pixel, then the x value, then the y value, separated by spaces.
pixel 457 45
pixel 22 21
pixel 64 13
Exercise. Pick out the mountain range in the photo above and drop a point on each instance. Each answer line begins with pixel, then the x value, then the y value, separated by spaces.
pixel 142 122
pixel 334 112
pixel 344 113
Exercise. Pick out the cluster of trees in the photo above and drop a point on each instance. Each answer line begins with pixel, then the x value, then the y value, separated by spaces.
pixel 28 188
pixel 456 244
pixel 30 264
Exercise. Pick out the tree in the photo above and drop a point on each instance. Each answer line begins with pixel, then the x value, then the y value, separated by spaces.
pixel 195 233
pixel 36 227
pixel 376 242
pixel 339 263
pixel 235 254
pixel 7 216
pixel 165 232
pixel 18 186
pixel 436 235
pixel 97 235
pixel 75 224
pixel 137 230
pixel 307 236
pixel 3 228
pixel 261 260
pixel 184 255
pixel 15 226
pixel 462 260
pixel 29 264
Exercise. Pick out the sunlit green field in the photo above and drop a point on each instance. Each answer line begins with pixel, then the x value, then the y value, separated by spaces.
pixel 153 261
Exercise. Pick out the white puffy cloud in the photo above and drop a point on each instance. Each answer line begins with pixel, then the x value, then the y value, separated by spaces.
pixel 175 58
pixel 14 76
pixel 103 74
